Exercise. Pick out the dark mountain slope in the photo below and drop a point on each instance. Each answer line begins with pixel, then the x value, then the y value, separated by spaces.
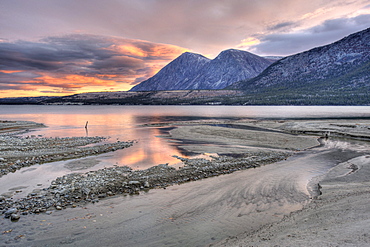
pixel 193 71
pixel 335 70
pixel 228 67
pixel 182 69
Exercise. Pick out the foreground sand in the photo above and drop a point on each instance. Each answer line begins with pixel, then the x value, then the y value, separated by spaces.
pixel 197 213
pixel 339 216
pixel 207 211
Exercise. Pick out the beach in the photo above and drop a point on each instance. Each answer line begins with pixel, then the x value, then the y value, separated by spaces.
pixel 337 217
pixel 270 204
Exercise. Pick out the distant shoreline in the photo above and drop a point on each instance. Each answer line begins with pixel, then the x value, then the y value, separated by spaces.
pixel 191 97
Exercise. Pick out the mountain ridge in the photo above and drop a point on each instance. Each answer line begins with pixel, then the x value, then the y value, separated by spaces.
pixel 173 72
pixel 202 73
pixel 229 66
pixel 337 67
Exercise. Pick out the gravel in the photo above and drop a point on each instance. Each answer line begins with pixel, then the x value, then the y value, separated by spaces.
pixel 77 189
pixel 17 152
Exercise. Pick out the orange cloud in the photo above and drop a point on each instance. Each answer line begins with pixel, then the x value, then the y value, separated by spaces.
pixel 57 66
pixel 169 51
pixel 10 71
pixel 131 50
pixel 145 49
pixel 73 81
pixel 248 42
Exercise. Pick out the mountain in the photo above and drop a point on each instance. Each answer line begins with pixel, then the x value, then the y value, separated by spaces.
pixel 174 74
pixel 228 67
pixel 193 71
pixel 273 59
pixel 335 74
pixel 340 69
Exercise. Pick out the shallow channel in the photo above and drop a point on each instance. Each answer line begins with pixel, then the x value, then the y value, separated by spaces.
pixel 194 214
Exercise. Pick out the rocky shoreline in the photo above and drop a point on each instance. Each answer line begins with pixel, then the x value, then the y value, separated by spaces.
pixel 18 152
pixel 76 189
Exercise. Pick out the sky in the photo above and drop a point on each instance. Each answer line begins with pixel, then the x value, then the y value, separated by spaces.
pixel 64 47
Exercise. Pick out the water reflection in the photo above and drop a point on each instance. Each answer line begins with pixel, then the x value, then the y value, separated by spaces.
pixel 149 149
pixel 123 123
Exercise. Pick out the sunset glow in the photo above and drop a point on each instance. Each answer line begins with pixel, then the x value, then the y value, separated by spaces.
pixel 131 50
pixel 128 42
pixel 10 71
pixel 248 42
pixel 112 64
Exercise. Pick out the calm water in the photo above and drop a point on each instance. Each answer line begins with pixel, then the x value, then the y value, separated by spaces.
pixel 126 123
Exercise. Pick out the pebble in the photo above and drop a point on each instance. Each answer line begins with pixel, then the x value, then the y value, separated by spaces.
pixel 102 195
pixel 15 217
pixel 9 212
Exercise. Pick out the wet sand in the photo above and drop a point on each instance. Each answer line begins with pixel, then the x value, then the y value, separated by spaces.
pixel 215 210
pixel 17 126
pixel 194 214
pixel 338 217
pixel 238 140
pixel 338 214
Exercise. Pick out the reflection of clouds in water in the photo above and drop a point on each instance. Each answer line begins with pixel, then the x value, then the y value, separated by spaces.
pixel 150 150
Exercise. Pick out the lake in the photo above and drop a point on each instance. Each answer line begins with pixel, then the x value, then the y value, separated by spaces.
pixel 126 123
